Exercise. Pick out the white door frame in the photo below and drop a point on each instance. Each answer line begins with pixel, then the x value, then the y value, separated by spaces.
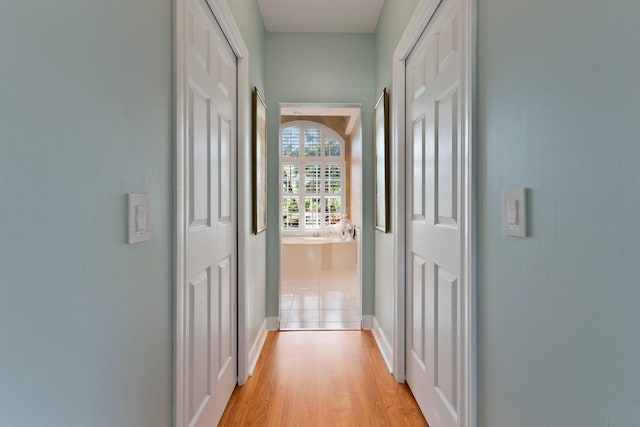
pixel 418 23
pixel 223 16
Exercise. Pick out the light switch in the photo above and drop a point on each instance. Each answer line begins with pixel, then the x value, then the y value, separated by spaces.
pixel 139 217
pixel 514 212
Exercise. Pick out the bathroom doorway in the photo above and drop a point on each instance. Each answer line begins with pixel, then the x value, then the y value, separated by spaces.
pixel 320 216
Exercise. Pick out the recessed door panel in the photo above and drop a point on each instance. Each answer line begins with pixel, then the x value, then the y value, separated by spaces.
pixel 198 328
pixel 225 302
pixel 431 58
pixel 430 169
pixel 199 158
pixel 447 155
pixel 419 74
pixel 418 310
pixel 447 357
pixel 224 169
pixel 448 42
pixel 199 37
pixel 225 73
pixel 418 168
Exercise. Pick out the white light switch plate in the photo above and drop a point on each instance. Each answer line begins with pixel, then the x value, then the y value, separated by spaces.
pixel 514 212
pixel 139 218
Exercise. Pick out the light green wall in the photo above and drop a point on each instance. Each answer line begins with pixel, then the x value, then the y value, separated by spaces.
pixel 391 25
pixel 249 21
pixel 85 117
pixel 393 20
pixel 558 312
pixel 247 16
pixel 315 68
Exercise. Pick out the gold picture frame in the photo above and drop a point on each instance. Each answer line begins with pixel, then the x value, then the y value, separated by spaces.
pixel 259 163
pixel 382 162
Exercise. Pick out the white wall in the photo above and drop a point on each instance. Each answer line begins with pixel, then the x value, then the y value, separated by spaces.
pixel 558 312
pixel 85 117
pixel 326 68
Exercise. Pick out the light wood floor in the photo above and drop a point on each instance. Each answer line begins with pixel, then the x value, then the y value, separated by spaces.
pixel 322 378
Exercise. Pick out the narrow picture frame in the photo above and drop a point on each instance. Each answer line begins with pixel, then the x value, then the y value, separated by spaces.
pixel 259 162
pixel 382 170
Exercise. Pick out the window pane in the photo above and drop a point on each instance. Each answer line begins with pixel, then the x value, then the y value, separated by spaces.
pixel 312 212
pixel 312 140
pixel 332 148
pixel 290 179
pixel 333 209
pixel 291 142
pixel 290 212
pixel 333 179
pixel 312 178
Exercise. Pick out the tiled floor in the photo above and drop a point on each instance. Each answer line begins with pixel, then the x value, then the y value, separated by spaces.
pixel 326 300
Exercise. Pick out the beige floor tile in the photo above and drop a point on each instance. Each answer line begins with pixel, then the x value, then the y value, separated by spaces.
pixel 311 300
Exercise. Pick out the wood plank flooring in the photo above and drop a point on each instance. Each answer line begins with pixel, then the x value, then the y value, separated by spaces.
pixel 322 378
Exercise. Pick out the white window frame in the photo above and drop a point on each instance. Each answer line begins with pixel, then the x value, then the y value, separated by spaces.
pixel 302 161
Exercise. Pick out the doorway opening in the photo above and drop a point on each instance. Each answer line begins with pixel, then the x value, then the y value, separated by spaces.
pixel 320 201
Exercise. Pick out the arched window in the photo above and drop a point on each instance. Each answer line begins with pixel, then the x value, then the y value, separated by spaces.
pixel 312 176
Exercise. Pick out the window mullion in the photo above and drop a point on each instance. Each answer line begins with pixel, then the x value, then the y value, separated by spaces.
pixel 343 183
pixel 303 192
pixel 322 194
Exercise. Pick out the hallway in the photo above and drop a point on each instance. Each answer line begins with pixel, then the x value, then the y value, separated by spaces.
pixel 322 378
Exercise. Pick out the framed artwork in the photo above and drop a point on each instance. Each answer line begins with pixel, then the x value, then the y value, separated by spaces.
pixel 382 162
pixel 259 168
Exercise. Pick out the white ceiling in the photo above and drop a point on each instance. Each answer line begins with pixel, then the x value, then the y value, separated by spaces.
pixel 320 16
pixel 353 113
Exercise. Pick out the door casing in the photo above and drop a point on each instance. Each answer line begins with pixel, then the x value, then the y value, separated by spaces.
pixel 223 16
pixel 421 17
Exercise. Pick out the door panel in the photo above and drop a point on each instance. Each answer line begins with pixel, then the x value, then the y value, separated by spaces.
pixel 418 309
pixel 198 331
pixel 224 169
pixel 199 159
pixel 210 234
pixel 446 308
pixel 446 164
pixel 418 169
pixel 434 234
pixel 225 323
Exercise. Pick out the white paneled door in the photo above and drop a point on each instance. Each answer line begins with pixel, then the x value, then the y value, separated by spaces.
pixel 207 182
pixel 435 310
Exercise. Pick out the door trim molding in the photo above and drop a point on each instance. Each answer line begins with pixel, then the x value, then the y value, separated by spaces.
pixel 225 20
pixel 420 19
pixel 383 344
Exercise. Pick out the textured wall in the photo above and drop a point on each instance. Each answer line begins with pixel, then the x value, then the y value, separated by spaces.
pixel 85 117
pixel 249 21
pixel 393 20
pixel 558 312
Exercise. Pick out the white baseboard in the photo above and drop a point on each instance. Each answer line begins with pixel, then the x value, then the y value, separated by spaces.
pixel 383 345
pixel 256 348
pixel 367 322
pixel 273 323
